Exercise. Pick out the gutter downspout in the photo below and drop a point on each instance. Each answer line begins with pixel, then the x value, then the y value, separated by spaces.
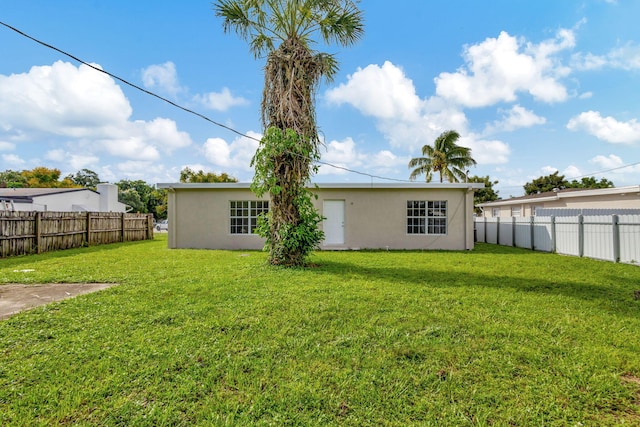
pixel 172 217
pixel 467 245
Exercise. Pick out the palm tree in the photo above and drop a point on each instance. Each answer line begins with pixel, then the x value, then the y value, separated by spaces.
pixel 285 31
pixel 445 157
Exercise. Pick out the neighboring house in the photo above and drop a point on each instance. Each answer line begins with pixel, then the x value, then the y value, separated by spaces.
pixel 105 199
pixel 357 216
pixel 577 200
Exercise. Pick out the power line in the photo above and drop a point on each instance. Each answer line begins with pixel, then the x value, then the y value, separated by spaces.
pixel 187 110
pixel 606 170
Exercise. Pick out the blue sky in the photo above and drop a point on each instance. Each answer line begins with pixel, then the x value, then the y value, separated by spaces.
pixel 531 86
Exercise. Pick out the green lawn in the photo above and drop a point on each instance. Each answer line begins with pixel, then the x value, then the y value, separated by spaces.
pixel 496 336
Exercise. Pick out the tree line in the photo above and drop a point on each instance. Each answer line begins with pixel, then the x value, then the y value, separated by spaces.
pixel 138 194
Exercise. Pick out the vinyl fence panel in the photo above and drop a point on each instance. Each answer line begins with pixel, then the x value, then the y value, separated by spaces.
pixel 522 230
pixel 607 237
pixel 598 237
pixel 505 236
pixel 542 234
pixel 480 230
pixel 492 230
pixel 568 235
pixel 629 232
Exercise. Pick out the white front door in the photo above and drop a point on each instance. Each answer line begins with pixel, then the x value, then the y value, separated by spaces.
pixel 333 224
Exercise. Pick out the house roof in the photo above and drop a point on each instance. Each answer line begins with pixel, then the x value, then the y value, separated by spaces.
pixel 564 194
pixel 30 193
pixel 399 185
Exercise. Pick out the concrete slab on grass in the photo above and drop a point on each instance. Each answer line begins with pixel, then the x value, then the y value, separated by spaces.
pixel 15 298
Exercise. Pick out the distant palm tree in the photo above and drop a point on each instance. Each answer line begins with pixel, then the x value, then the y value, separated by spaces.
pixel 445 157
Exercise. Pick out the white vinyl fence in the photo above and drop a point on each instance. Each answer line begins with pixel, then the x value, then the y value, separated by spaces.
pixel 607 237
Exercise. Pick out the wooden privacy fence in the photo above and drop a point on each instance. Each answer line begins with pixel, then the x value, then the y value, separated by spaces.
pixel 607 237
pixel 24 233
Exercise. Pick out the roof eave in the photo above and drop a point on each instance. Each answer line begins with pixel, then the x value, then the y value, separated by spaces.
pixel 246 185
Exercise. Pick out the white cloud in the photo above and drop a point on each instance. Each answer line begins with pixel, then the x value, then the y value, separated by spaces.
pixel 61 99
pixel 72 161
pixel 515 118
pixel 57 155
pixel 381 92
pixel 486 151
pixel 606 128
pixel 613 164
pixel 408 122
pixel 585 95
pixel 162 77
pixel 499 68
pixel 84 106
pixel 217 151
pixel 220 101
pixel 386 94
pixel 163 133
pixel 607 162
pixel 236 155
pixel 571 172
pixel 132 147
pixel 7 146
pixel 547 170
pixel 625 57
pixel 344 154
pixel 12 160
pixel 137 169
pixel 588 61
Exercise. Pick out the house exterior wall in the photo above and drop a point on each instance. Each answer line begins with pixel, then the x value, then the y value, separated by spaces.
pixel 374 218
pixel 64 202
pixel 199 219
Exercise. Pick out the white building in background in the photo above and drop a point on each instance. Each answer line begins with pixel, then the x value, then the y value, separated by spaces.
pixel 594 201
pixel 104 199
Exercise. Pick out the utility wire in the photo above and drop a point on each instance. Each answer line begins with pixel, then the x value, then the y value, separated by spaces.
pixel 202 116
pixel 230 129
pixel 606 170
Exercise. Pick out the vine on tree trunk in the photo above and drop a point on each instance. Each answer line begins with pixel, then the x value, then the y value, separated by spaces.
pixel 282 170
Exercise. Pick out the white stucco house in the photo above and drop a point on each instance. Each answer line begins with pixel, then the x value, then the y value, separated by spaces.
pixel 104 199
pixel 357 216
pixel 605 200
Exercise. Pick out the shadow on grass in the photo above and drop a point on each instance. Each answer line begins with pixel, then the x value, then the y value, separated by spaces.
pixel 616 295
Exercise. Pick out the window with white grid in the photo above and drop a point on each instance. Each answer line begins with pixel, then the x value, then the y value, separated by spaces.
pixel 243 215
pixel 427 217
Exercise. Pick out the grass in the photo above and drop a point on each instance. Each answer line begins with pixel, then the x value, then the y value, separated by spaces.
pixel 496 336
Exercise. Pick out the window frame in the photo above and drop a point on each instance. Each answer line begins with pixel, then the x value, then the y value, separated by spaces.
pixel 243 216
pixel 427 217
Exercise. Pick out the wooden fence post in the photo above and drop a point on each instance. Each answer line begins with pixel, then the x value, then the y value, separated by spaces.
pixel 498 231
pixel 150 227
pixel 88 229
pixel 122 226
pixel 616 237
pixel 513 231
pixel 38 231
